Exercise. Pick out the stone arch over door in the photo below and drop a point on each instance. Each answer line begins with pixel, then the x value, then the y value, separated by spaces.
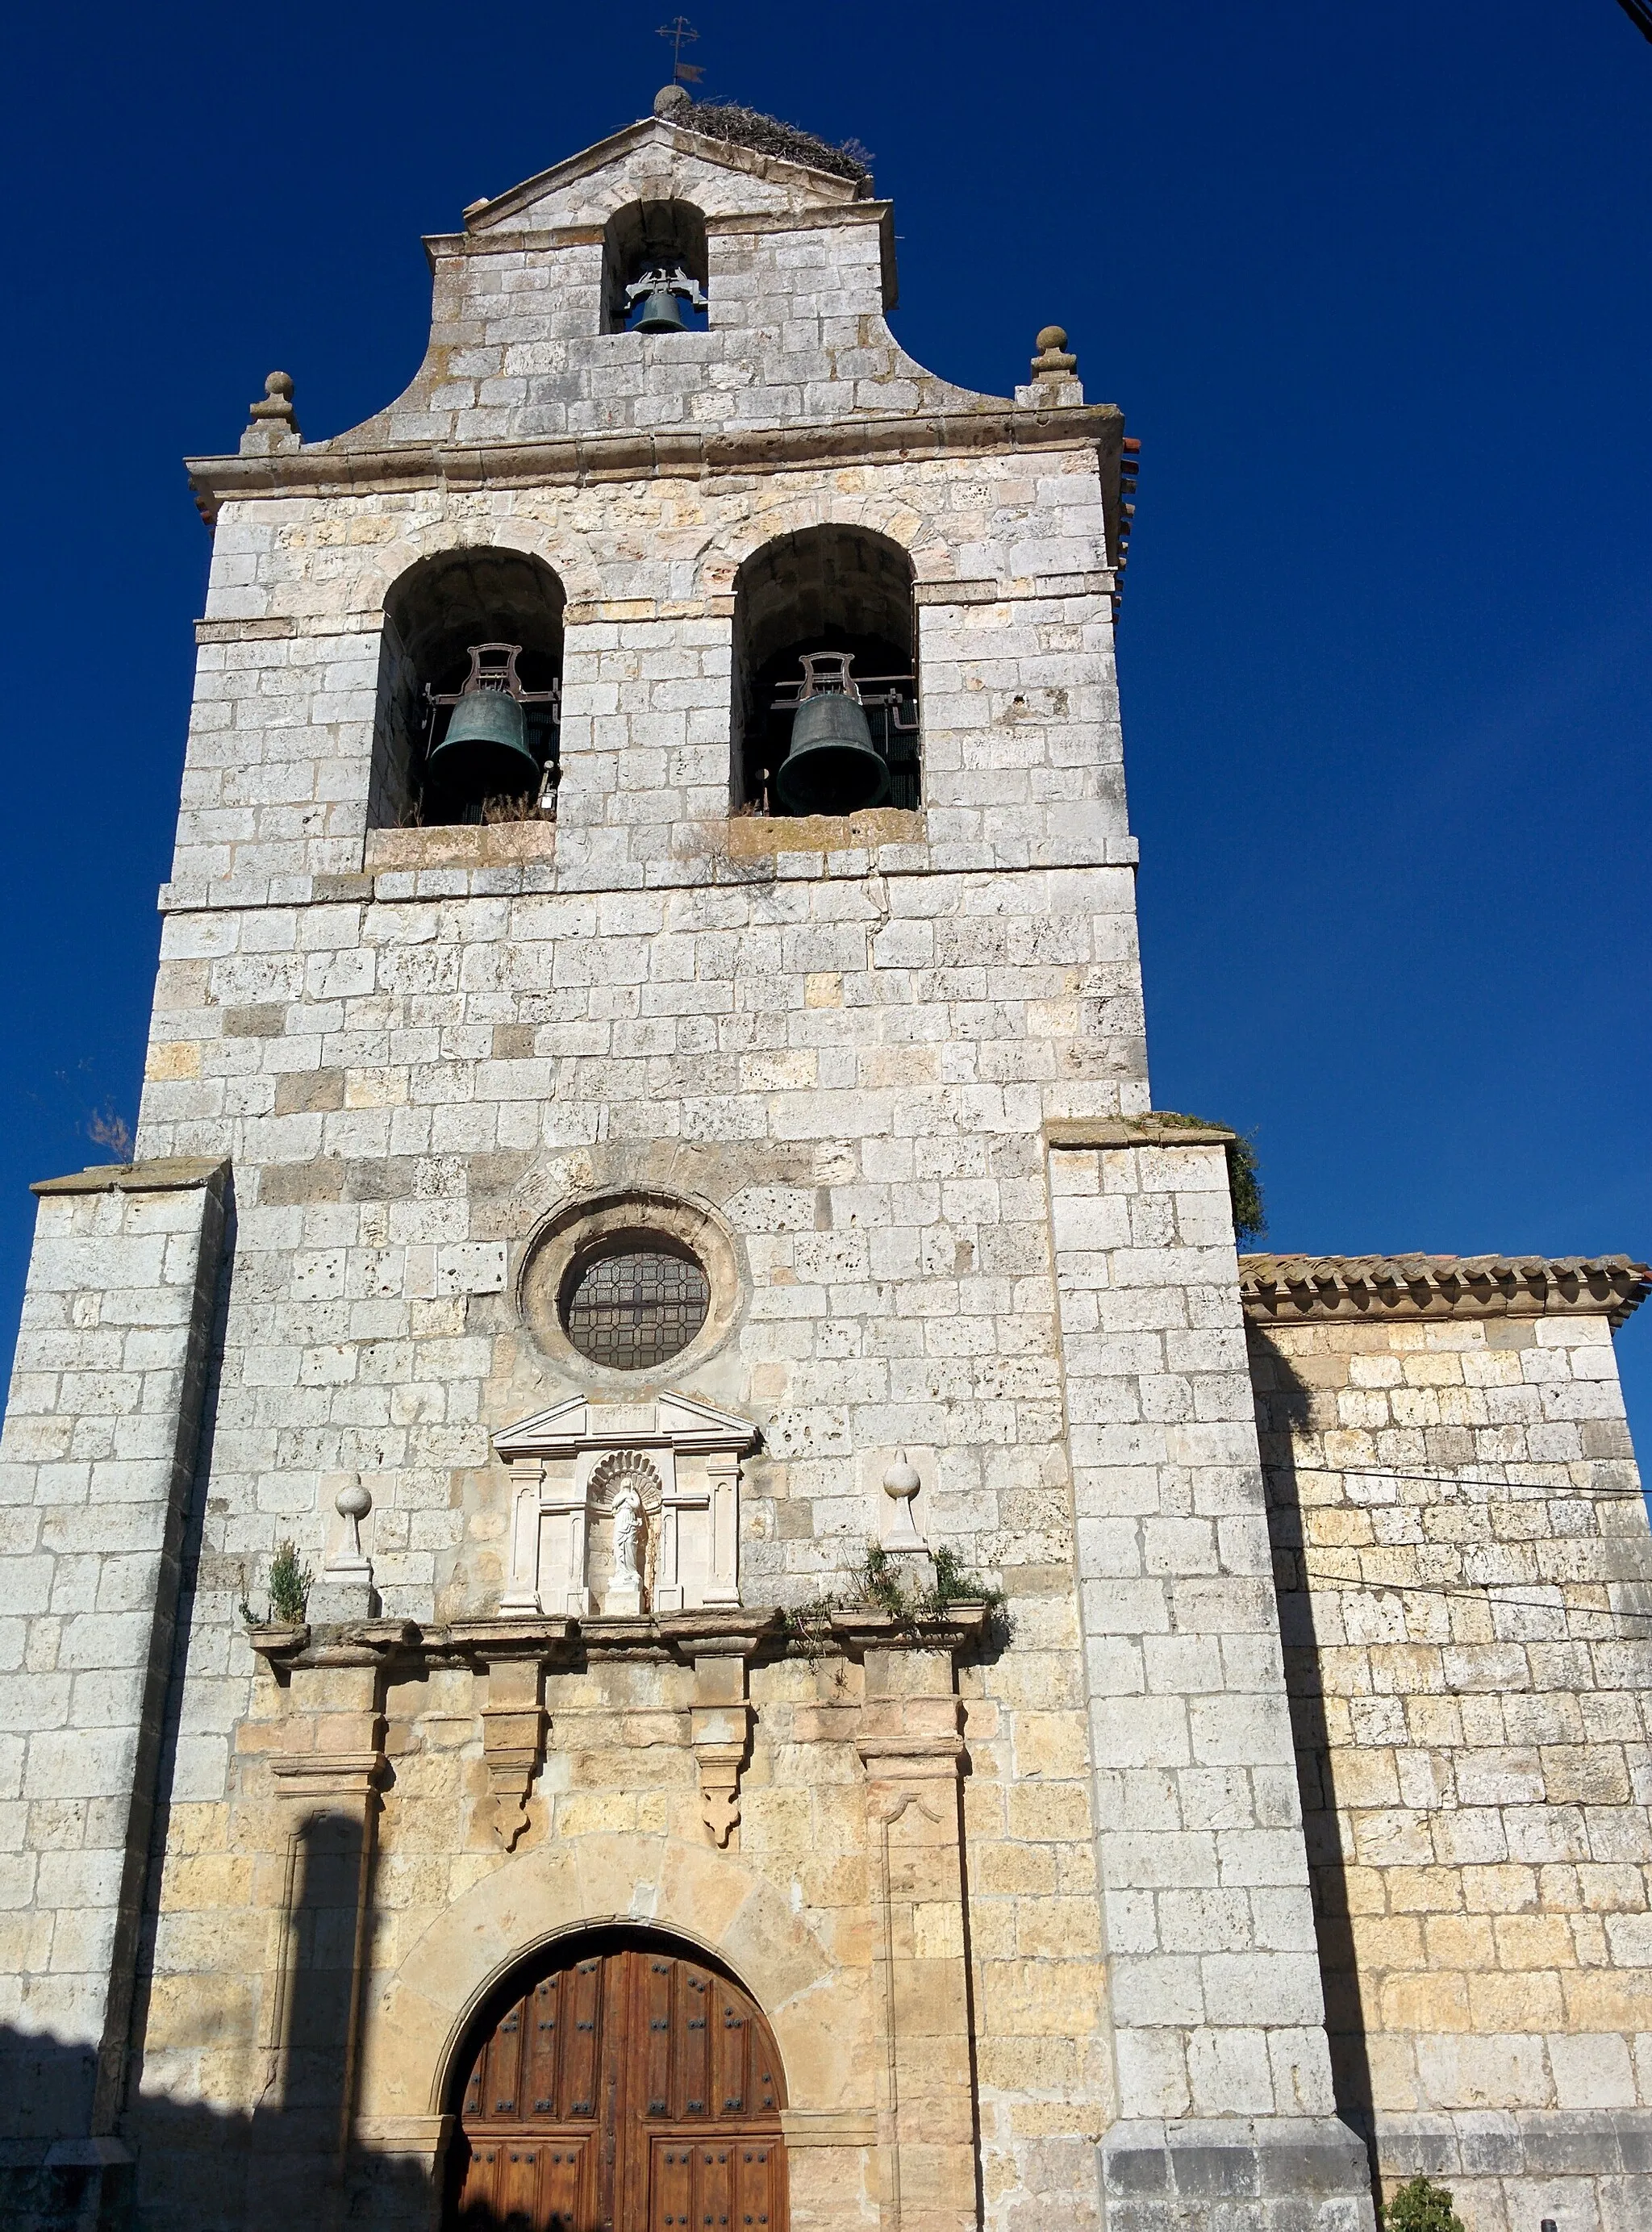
pixel 420 2018
pixel 618 2078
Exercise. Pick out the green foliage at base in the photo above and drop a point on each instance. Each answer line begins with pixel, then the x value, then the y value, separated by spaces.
pixel 1422 2206
pixel 289 1590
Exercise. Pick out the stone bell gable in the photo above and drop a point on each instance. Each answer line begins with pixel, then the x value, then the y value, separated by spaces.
pixel 668 510
pixel 798 269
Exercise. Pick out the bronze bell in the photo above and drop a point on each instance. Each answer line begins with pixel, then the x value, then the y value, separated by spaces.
pixel 485 752
pixel 661 313
pixel 662 291
pixel 832 766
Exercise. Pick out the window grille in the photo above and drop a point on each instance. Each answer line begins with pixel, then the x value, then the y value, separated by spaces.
pixel 636 1308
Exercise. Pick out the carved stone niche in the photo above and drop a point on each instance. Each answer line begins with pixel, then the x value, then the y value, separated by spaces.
pixel 624 1507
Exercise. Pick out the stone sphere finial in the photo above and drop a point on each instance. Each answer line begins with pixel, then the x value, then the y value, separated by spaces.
pixel 902 1482
pixel 903 1478
pixel 274 408
pixel 352 1503
pixel 354 1500
pixel 1053 360
pixel 672 101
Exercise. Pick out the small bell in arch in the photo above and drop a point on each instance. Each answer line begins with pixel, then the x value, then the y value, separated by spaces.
pixel 662 292
pixel 832 765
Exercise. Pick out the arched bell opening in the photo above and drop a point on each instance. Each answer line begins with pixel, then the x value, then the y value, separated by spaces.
pixel 620 2078
pixel 470 692
pixel 825 704
pixel 654 269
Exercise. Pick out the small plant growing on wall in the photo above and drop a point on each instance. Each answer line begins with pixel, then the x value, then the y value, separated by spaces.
pixel 879 1583
pixel 289 1590
pixel 108 1128
pixel 1422 2206
pixel 1244 1176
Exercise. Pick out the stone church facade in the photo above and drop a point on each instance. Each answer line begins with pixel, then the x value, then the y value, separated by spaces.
pixel 581 1223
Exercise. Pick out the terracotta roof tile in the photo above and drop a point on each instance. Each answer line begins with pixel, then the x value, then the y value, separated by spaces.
pixel 1377 1286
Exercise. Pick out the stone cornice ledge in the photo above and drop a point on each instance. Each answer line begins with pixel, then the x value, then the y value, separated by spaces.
pixel 162 1174
pixel 714 1631
pixel 322 469
pixel 1133 1132
pixel 744 863
pixel 1296 1290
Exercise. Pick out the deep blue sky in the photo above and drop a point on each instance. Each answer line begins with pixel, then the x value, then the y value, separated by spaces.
pixel 1374 286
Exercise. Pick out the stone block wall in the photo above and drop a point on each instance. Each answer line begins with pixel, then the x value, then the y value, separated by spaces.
pixel 840 1041
pixel 1466 1589
pixel 851 1074
pixel 97 1465
pixel 1224 2080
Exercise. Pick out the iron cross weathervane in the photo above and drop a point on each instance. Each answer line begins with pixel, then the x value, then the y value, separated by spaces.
pixel 682 33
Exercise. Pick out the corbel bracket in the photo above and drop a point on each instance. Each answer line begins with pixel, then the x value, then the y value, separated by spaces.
pixel 721 1721
pixel 514 1720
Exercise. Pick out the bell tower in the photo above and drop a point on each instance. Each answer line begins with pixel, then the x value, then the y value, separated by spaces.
pixel 655 1367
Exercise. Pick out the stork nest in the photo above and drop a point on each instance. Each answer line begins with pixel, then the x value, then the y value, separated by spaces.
pixel 750 127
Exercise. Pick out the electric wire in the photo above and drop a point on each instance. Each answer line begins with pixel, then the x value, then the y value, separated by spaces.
pixel 1471 1592
pixel 1462 1479
pixel 1478 1592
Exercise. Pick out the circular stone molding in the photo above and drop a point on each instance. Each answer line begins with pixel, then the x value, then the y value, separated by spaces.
pixel 603 1225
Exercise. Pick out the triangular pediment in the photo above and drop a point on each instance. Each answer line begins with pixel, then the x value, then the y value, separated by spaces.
pixel 698 1426
pixel 562 1423
pixel 655 160
pixel 668 1421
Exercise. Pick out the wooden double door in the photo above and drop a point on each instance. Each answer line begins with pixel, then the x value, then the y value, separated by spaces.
pixel 629 2088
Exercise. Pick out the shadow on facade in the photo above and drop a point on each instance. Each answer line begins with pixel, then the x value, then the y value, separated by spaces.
pixel 1283 1403
pixel 179 2166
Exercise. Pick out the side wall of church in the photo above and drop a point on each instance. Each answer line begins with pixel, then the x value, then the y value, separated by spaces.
pixel 1466 1589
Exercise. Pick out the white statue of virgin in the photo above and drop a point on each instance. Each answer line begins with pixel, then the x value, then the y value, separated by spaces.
pixel 628 1522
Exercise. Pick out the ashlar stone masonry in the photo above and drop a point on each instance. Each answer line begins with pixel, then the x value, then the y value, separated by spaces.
pixel 580 1224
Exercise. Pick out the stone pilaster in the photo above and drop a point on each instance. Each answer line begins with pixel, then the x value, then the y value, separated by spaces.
pixel 1223 2069
pixel 912 1751
pixel 329 1776
pixel 97 1463
pixel 719 1723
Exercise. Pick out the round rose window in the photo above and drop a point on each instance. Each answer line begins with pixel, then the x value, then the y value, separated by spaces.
pixel 635 1305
